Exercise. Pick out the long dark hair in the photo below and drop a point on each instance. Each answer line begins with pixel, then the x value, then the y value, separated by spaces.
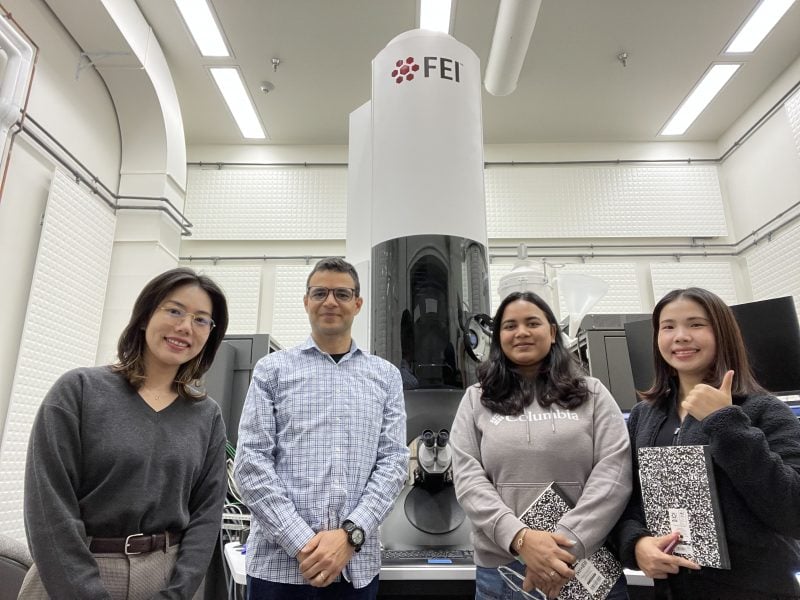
pixel 559 380
pixel 132 342
pixel 731 353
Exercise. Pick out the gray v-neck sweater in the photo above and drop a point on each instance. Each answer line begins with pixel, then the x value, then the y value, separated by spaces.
pixel 102 463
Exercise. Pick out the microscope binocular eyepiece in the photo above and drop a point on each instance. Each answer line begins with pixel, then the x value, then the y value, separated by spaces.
pixel 428 438
pixel 443 438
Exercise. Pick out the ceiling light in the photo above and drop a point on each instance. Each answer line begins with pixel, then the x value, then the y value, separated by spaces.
pixel 700 97
pixel 758 25
pixel 198 18
pixel 229 82
pixel 435 15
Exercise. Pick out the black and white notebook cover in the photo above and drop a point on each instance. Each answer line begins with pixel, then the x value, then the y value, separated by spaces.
pixel 679 493
pixel 595 575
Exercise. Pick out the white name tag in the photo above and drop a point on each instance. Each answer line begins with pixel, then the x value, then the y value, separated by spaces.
pixel 588 576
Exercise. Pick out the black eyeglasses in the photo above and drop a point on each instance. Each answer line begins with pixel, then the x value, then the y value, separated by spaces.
pixel 340 294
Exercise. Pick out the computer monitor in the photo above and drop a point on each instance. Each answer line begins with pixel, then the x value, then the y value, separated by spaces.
pixel 771 335
pixel 639 337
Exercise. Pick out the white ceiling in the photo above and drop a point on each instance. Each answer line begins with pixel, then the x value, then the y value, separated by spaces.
pixel 572 87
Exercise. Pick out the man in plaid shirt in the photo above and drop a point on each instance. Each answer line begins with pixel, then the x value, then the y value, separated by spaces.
pixel 322 453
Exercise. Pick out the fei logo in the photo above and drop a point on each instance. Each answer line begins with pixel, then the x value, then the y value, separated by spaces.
pixel 446 67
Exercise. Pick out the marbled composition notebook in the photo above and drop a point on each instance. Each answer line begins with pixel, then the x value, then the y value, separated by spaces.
pixel 595 575
pixel 679 493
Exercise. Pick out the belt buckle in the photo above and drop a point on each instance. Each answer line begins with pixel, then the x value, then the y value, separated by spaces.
pixel 128 543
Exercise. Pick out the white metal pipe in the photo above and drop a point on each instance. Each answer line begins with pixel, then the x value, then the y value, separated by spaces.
pixel 512 36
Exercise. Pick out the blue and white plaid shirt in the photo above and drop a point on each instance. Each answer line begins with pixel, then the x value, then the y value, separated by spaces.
pixel 319 443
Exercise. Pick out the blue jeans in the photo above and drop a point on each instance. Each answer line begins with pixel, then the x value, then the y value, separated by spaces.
pixel 259 589
pixel 489 585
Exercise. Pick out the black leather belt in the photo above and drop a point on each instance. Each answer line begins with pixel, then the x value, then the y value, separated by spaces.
pixel 137 543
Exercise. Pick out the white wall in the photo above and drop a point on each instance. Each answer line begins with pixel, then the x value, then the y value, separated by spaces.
pixel 80 115
pixel 762 177
pixel 762 180
pixel 539 204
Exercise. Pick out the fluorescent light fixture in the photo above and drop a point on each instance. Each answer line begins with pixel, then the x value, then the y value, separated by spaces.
pixel 758 25
pixel 229 82
pixel 700 97
pixel 203 27
pixel 435 15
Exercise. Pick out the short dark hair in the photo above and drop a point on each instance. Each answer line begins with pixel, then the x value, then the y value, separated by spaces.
pixel 559 380
pixel 731 352
pixel 340 265
pixel 132 342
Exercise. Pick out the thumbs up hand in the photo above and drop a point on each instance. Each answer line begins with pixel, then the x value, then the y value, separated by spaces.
pixel 706 399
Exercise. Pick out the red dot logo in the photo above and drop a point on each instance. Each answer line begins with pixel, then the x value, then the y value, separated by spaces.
pixel 405 70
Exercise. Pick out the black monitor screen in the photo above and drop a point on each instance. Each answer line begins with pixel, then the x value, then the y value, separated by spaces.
pixel 771 335
pixel 639 335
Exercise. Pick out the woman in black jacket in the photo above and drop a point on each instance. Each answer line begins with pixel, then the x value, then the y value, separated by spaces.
pixel 705 394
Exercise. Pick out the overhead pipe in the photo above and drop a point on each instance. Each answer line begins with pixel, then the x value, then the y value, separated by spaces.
pixel 83 174
pixel 16 58
pixel 512 36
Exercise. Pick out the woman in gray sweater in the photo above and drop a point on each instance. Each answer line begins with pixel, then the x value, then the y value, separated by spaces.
pixel 532 420
pixel 125 474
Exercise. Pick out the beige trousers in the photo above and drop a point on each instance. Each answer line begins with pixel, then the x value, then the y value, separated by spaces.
pixel 136 577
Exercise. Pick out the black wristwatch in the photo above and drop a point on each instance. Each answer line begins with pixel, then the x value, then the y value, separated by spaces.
pixel 355 535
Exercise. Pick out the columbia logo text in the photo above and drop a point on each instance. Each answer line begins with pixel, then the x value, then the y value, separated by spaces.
pixel 533 417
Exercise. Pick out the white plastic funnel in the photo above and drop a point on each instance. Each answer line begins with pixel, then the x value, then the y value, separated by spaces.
pixel 580 293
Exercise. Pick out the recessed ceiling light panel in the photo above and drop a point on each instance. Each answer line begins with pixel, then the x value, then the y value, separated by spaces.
pixel 229 82
pixel 699 98
pixel 435 15
pixel 203 27
pixel 758 25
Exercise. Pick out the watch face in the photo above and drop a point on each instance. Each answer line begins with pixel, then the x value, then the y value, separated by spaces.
pixel 357 535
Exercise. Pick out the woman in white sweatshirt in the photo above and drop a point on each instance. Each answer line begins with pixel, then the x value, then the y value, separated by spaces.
pixel 534 419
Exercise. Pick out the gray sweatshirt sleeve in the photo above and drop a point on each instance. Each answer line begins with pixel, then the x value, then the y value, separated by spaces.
pixel 56 533
pixel 608 488
pixel 475 492
pixel 205 518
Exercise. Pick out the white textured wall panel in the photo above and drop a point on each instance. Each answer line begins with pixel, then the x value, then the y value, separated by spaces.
pixel 604 201
pixel 280 203
pixel 242 287
pixel 792 107
pixel 289 319
pixel 62 323
pixel 774 267
pixel 716 277
pixel 521 202
pixel 623 287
